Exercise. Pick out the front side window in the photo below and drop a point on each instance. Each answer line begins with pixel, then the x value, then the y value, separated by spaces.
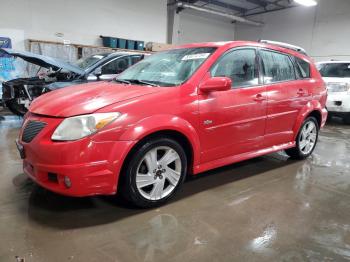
pixel 169 68
pixel 335 70
pixel 277 67
pixel 116 66
pixel 240 65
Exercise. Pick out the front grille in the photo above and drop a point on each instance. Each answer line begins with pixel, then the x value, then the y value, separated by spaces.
pixel 31 130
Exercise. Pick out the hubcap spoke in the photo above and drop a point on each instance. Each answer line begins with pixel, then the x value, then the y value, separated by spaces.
pixel 313 137
pixel 157 190
pixel 143 180
pixel 172 176
pixel 151 160
pixel 302 144
pixel 169 157
pixel 310 128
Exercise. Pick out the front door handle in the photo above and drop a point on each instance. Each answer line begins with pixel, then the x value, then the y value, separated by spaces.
pixel 259 97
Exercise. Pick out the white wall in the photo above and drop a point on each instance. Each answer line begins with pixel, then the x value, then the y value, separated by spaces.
pixel 83 21
pixel 323 31
pixel 193 26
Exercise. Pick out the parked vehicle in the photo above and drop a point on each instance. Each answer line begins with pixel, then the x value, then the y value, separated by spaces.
pixel 336 74
pixel 19 93
pixel 179 112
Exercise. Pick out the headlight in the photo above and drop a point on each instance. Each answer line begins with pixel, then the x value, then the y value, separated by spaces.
pixel 77 127
pixel 338 87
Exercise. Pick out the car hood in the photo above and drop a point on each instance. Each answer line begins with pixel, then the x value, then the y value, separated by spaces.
pixel 43 61
pixel 86 98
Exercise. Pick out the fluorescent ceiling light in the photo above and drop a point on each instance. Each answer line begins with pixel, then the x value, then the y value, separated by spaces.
pixel 306 2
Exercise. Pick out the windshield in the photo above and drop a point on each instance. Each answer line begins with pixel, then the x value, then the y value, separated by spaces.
pixel 169 68
pixel 86 62
pixel 335 70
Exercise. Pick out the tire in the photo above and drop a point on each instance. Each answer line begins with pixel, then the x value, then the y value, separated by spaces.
pixel 15 108
pixel 346 119
pixel 157 180
pixel 302 151
pixel 329 117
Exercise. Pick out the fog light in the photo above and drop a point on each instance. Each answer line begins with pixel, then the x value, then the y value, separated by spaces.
pixel 67 182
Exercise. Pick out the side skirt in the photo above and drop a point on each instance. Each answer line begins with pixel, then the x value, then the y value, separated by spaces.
pixel 238 158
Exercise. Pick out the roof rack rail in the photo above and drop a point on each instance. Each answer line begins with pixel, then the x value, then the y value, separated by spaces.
pixel 285 45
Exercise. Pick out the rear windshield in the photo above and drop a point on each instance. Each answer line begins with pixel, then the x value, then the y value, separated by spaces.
pixel 335 70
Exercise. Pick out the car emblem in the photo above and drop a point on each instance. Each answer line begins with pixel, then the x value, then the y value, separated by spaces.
pixel 208 122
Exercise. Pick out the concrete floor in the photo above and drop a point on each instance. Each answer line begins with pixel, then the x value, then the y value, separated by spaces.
pixel 265 209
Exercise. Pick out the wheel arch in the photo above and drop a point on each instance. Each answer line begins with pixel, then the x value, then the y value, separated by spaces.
pixel 314 109
pixel 165 126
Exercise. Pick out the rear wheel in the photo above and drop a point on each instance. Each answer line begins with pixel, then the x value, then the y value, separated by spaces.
pixel 154 172
pixel 306 140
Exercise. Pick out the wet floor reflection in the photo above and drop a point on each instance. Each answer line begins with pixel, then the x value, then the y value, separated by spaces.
pixel 265 209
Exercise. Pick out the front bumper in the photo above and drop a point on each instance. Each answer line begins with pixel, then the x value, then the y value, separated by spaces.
pixel 338 102
pixel 92 166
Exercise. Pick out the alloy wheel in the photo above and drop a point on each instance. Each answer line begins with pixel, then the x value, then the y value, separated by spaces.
pixel 308 137
pixel 158 173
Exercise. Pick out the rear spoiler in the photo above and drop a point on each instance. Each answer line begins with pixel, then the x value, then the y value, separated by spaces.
pixel 285 45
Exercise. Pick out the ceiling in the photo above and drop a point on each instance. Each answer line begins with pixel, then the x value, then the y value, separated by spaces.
pixel 243 8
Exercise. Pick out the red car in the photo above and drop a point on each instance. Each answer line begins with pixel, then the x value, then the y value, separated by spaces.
pixel 178 112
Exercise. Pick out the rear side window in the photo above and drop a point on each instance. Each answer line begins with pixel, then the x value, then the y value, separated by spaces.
pixel 303 68
pixel 277 67
pixel 240 65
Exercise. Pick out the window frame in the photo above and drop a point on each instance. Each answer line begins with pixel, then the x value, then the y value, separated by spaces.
pixel 140 56
pixel 260 49
pixel 257 64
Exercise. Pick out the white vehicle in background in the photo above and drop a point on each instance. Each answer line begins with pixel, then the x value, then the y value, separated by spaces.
pixel 336 74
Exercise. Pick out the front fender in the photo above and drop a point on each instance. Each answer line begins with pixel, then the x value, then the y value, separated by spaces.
pixel 153 124
pixel 311 106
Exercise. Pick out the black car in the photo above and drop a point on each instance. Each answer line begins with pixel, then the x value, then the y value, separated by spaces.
pixel 17 94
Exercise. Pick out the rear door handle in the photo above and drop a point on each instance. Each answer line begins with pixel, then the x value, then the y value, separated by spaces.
pixel 259 97
pixel 301 92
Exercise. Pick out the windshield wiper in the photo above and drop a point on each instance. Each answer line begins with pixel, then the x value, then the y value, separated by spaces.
pixel 123 81
pixel 137 81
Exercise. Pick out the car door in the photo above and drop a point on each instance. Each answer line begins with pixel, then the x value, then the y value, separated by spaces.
pixel 233 122
pixel 285 95
pixel 114 67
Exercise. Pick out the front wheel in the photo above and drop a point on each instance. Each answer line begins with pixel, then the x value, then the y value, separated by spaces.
pixel 306 140
pixel 154 172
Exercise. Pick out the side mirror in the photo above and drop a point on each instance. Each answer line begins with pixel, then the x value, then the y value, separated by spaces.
pixel 215 84
pixel 92 77
pixel 98 71
pixel 95 75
